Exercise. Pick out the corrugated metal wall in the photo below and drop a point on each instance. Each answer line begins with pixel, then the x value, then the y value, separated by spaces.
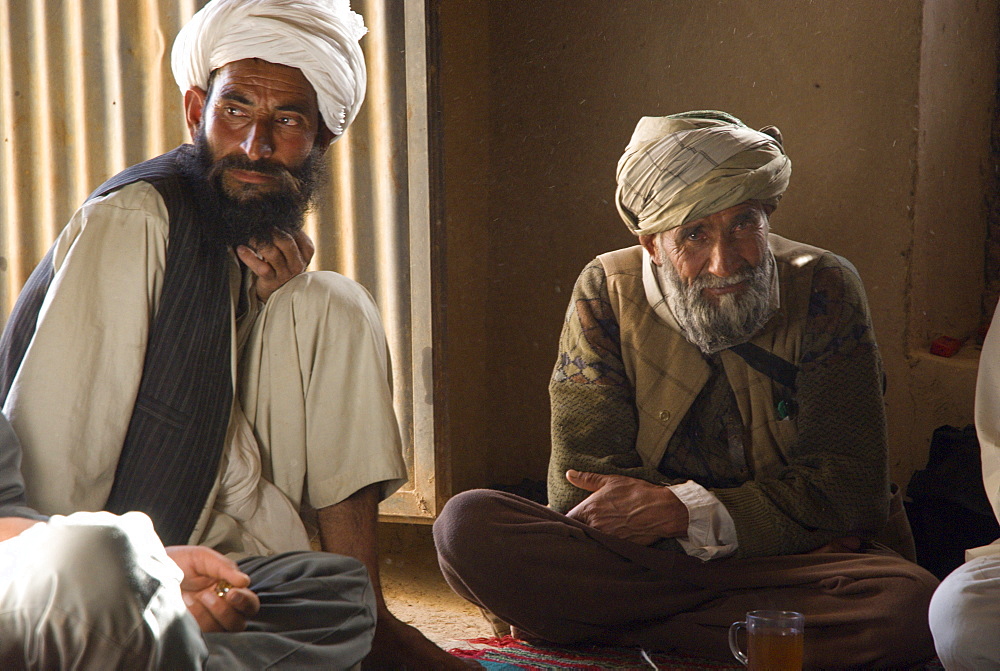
pixel 86 90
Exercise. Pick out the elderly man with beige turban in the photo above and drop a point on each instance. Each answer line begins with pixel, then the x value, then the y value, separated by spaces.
pixel 169 358
pixel 718 434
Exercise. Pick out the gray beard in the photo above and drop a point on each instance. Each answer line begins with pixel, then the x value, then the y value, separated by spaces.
pixel 737 317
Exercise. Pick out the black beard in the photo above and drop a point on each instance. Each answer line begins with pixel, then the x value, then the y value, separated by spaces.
pixel 249 216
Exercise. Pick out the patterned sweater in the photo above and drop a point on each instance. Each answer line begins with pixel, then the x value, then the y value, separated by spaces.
pixel 833 481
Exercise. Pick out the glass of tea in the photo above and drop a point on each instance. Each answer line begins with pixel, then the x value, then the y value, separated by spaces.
pixel 774 640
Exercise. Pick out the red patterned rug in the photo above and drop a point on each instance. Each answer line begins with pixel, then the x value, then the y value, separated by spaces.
pixel 510 654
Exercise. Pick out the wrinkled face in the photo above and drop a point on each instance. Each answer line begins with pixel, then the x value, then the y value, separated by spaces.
pixel 716 275
pixel 721 245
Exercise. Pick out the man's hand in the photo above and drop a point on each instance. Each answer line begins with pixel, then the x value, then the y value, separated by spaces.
pixel 278 261
pixel 203 569
pixel 629 508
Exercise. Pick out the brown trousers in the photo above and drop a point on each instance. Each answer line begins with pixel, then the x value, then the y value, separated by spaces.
pixel 559 580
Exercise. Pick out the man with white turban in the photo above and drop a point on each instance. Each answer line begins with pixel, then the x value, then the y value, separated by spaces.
pixel 718 433
pixel 170 356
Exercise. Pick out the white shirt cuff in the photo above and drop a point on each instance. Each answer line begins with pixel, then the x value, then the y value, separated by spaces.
pixel 711 530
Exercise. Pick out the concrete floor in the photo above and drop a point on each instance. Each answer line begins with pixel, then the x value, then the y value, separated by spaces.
pixel 416 592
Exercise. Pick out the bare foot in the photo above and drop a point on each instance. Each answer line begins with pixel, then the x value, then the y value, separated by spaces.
pixel 400 647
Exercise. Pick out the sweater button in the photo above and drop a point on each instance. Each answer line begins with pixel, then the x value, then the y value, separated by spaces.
pixel 664 416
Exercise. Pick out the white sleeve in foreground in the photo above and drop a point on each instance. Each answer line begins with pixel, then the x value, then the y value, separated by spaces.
pixel 988 412
pixel 711 531
pixel 98 590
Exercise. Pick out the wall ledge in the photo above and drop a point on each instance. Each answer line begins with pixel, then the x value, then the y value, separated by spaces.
pixel 966 359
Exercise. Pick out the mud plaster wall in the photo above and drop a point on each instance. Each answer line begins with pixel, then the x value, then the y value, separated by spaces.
pixel 885 110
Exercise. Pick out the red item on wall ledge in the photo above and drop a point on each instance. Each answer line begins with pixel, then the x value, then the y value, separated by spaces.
pixel 946 346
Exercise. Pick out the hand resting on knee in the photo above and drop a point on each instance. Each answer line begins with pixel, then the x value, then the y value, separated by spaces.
pixel 203 569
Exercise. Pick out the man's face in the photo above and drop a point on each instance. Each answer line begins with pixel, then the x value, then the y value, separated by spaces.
pixel 265 118
pixel 721 245
pixel 716 275
pixel 259 142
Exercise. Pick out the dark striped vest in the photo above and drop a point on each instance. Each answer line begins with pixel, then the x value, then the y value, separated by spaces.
pixel 170 457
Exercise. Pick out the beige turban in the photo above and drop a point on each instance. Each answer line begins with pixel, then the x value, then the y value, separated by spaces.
pixel 687 166
pixel 320 37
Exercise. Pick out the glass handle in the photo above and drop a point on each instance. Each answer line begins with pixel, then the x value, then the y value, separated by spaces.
pixel 733 645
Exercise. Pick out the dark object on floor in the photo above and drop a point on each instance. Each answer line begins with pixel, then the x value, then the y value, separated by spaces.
pixel 948 509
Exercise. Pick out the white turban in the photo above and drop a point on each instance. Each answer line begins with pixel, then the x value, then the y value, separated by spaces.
pixel 687 166
pixel 319 37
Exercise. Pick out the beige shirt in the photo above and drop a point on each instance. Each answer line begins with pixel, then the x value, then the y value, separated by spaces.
pixel 313 404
